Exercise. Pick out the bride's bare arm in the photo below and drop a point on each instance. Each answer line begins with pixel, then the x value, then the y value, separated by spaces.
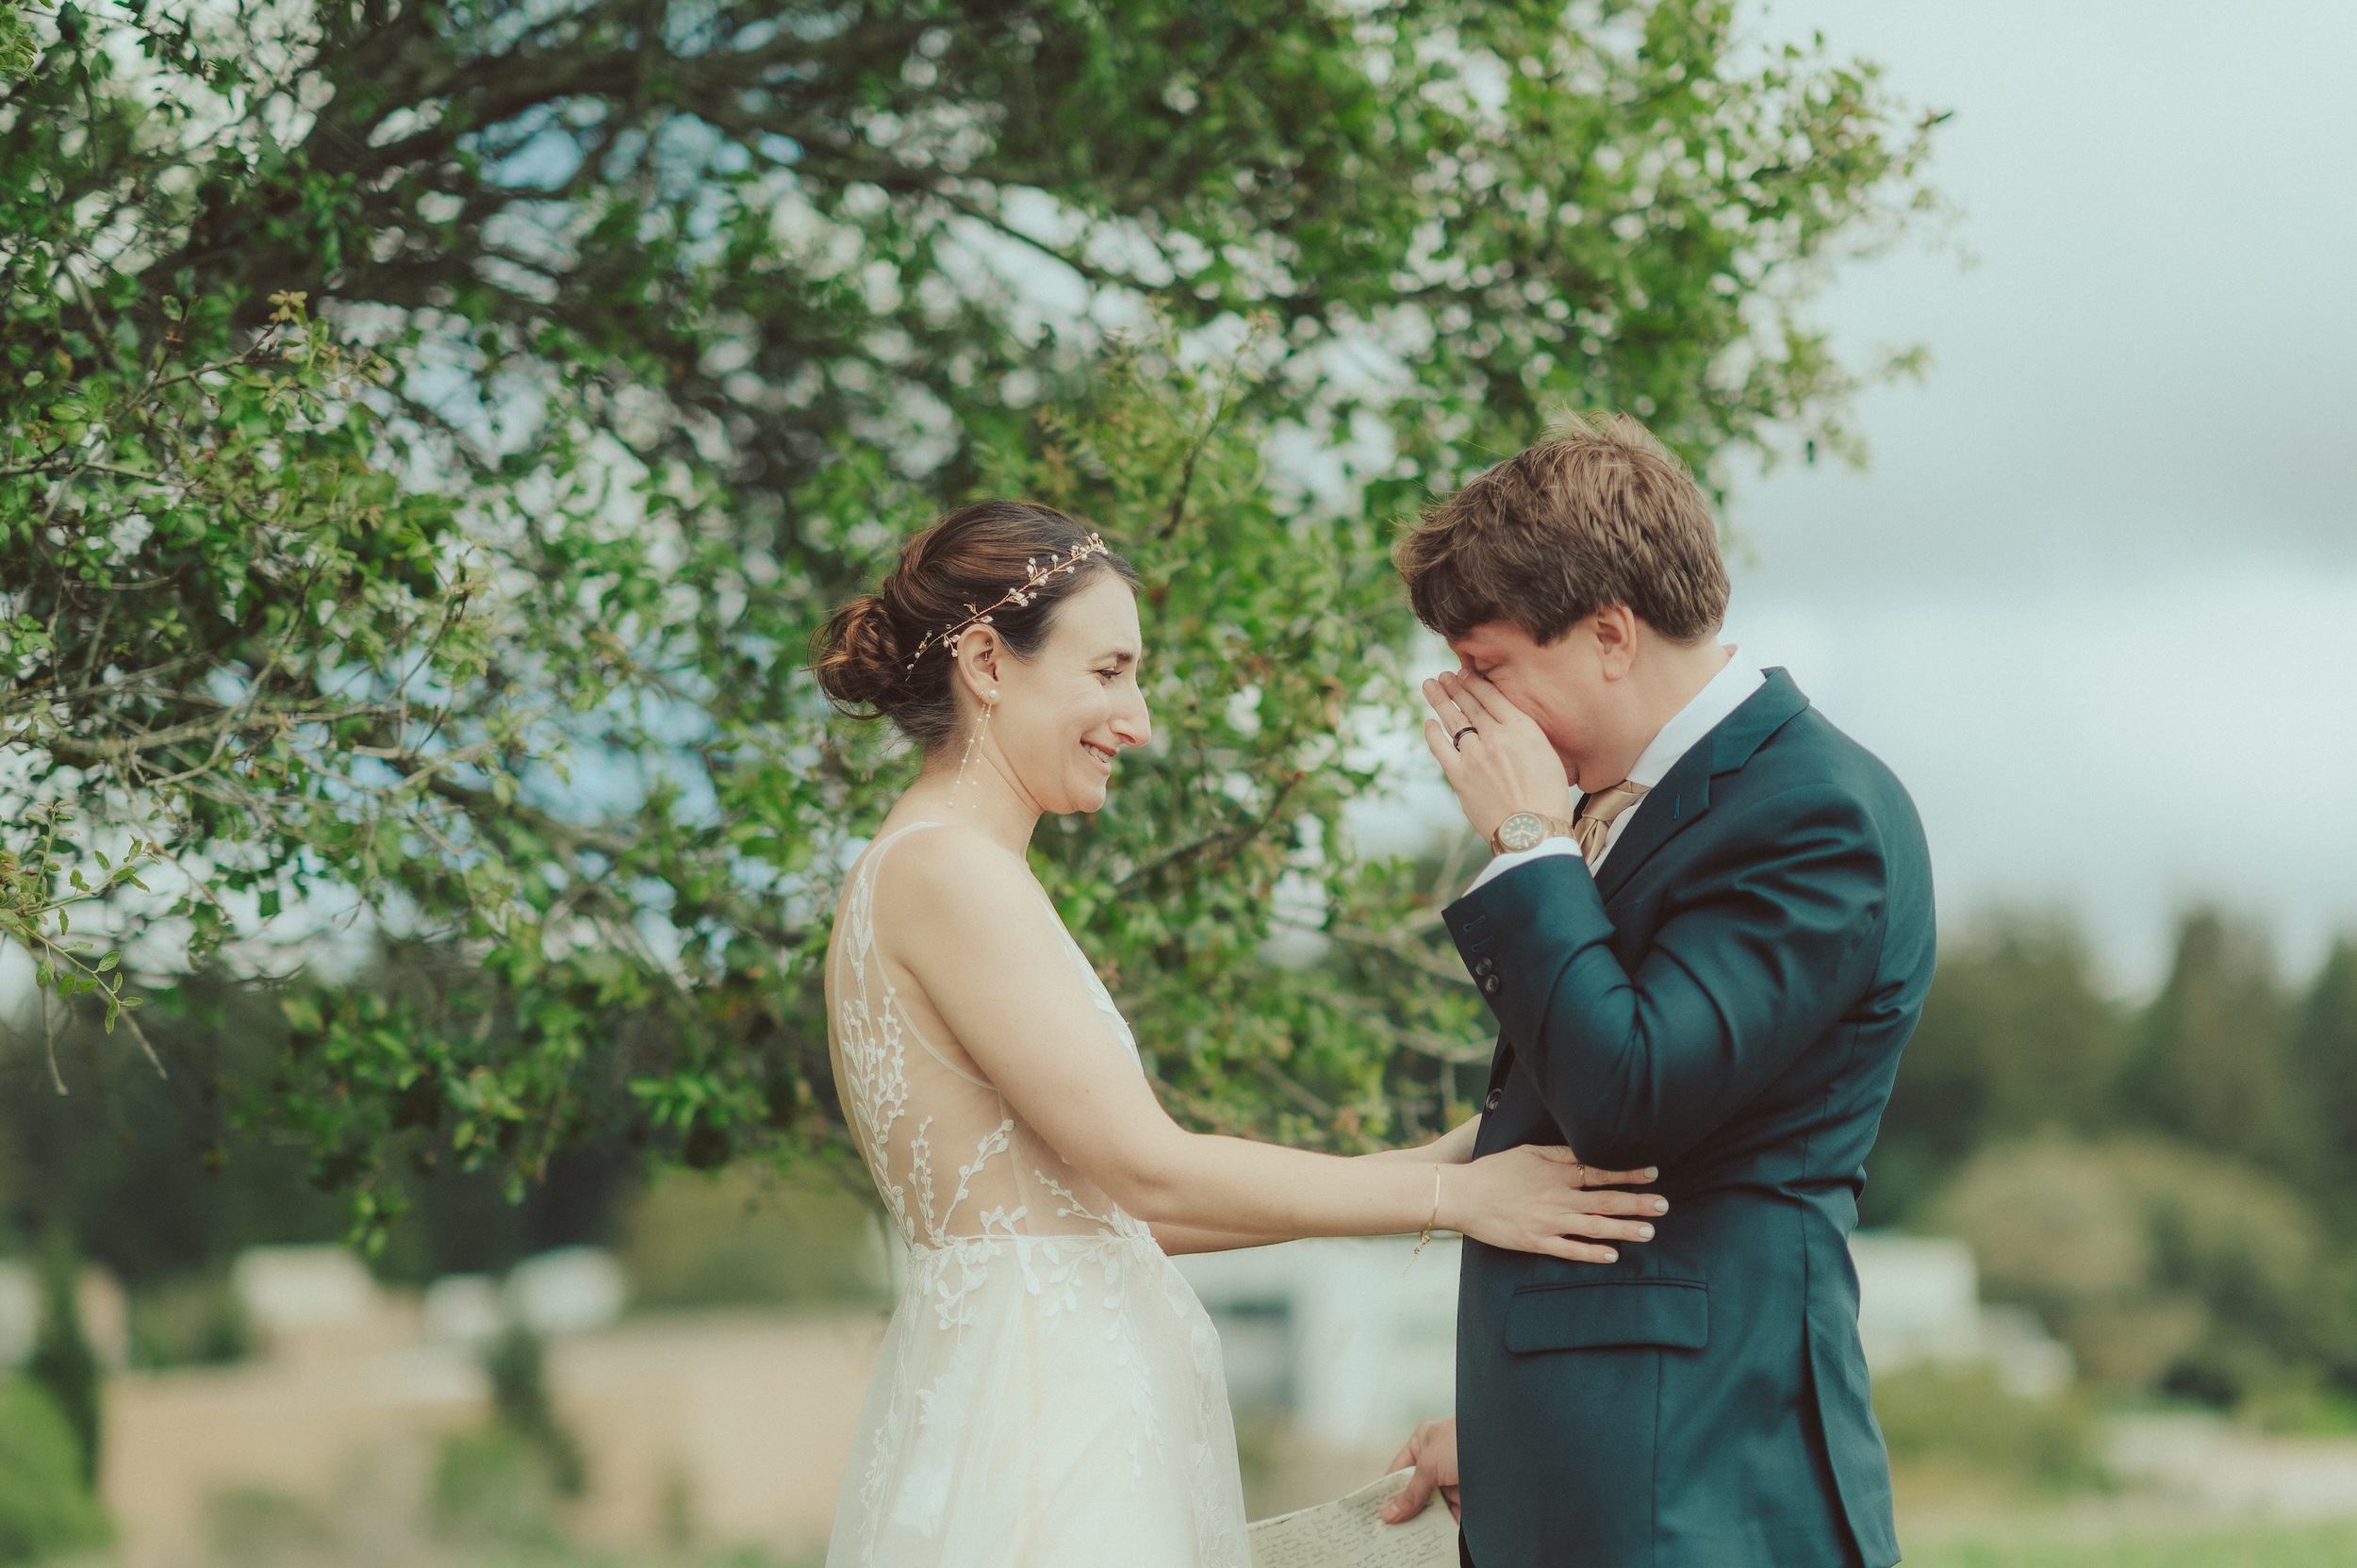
pixel 1180 1240
pixel 969 924
pixel 1453 1147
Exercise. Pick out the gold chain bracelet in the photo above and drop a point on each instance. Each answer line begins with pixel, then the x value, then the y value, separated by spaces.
pixel 1425 1235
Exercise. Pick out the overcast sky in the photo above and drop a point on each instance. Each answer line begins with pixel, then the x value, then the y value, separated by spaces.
pixel 2096 596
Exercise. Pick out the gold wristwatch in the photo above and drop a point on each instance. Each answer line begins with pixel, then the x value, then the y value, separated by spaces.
pixel 1527 830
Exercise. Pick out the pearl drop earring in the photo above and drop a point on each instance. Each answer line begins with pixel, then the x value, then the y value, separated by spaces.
pixel 974 745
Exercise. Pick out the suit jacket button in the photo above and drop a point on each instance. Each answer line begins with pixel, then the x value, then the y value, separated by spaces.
pixel 1483 965
pixel 1489 985
pixel 1491 1103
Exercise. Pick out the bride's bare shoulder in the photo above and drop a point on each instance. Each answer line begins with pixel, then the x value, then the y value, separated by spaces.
pixel 956 881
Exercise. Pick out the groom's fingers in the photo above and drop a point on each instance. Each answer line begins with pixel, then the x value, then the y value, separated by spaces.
pixel 1485 695
pixel 1432 1450
pixel 1461 693
pixel 1476 696
pixel 1446 707
pixel 1436 738
pixel 1411 1497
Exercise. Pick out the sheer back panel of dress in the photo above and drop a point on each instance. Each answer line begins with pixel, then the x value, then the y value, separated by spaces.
pixel 950 1157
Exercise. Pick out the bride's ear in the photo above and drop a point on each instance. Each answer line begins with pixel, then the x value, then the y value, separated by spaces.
pixel 977 656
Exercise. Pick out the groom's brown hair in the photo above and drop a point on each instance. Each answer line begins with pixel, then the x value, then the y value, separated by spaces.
pixel 1599 513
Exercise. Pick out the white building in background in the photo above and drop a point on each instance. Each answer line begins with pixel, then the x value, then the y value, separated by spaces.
pixel 99 1301
pixel 1358 1344
pixel 293 1290
pixel 1353 1340
pixel 570 1289
pixel 1919 1301
pixel 464 1310
pixel 20 1312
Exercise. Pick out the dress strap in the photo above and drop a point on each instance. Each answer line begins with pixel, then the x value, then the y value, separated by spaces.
pixel 877 849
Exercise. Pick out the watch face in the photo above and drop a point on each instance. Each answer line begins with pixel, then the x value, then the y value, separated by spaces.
pixel 1522 830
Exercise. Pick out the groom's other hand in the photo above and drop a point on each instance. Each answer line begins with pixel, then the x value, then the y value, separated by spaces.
pixel 1432 1450
pixel 1496 757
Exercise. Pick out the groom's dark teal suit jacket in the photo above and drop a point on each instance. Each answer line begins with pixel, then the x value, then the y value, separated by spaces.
pixel 1727 999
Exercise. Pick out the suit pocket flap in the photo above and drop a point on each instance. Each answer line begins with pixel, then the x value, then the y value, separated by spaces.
pixel 1673 1314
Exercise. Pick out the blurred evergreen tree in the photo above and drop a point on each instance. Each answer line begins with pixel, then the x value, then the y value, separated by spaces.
pixel 517 1364
pixel 2016 1037
pixel 156 1181
pixel 63 1364
pixel 147 1173
pixel 2169 1186
pixel 2212 1059
pixel 2324 1066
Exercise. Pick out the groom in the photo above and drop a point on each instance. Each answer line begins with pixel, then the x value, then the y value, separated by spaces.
pixel 1708 965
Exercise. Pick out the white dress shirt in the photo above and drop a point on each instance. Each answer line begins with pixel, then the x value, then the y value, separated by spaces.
pixel 1727 691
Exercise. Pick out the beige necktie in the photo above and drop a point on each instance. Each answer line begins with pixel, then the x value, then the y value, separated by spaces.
pixel 1594 821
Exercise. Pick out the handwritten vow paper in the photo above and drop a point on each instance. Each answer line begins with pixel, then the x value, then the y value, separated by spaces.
pixel 1350 1533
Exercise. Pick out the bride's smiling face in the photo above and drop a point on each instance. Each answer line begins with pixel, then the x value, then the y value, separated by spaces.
pixel 1066 710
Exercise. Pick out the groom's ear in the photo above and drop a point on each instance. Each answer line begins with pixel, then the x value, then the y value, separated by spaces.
pixel 1614 628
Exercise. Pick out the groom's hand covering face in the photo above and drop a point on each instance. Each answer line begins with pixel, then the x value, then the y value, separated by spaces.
pixel 1495 756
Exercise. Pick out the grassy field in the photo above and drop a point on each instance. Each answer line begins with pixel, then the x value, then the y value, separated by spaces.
pixel 2207 1546
pixel 2007 1545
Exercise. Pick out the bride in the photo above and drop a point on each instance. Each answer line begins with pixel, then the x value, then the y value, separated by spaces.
pixel 1049 1391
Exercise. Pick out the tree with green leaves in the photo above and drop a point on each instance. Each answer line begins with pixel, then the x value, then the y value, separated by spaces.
pixel 433 431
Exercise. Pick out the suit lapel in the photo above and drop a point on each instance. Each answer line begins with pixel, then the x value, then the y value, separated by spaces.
pixel 1684 793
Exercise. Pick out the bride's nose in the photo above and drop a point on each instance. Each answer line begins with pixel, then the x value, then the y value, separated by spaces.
pixel 1132 724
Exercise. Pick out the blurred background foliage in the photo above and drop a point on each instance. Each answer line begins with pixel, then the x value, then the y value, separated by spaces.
pixel 2176 1256
pixel 432 433
pixel 1955 1431
pixel 45 1510
pixel 2170 1186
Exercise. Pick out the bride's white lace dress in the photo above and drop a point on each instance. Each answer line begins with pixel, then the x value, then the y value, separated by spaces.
pixel 1050 1391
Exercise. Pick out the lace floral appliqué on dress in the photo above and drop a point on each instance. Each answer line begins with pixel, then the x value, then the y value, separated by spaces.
pixel 1049 1393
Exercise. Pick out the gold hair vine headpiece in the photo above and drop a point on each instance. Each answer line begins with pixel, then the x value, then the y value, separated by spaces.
pixel 1034 577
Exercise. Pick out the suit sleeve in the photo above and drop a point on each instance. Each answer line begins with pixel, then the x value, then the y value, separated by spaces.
pixel 1760 951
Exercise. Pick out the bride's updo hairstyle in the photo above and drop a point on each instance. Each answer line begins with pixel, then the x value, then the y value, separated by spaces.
pixel 886 653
